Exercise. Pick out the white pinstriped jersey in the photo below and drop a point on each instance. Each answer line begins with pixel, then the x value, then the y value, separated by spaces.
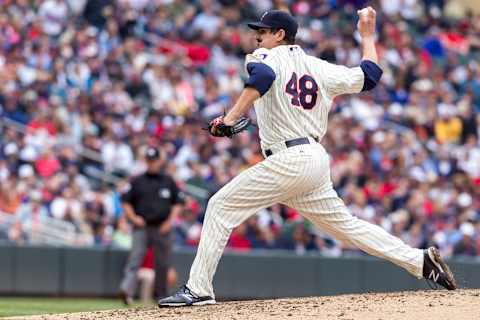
pixel 298 102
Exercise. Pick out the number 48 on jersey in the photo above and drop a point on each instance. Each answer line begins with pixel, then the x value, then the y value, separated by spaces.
pixel 304 91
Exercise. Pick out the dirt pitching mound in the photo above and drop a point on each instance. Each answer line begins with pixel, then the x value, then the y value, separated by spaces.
pixel 424 305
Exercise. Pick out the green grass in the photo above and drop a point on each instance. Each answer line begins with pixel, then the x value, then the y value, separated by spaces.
pixel 10 307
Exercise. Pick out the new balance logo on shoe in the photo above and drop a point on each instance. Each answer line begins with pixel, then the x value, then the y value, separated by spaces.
pixel 434 276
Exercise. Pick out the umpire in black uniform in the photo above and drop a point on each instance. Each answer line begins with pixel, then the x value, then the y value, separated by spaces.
pixel 151 204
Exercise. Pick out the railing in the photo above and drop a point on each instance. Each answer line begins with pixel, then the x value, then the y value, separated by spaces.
pixel 45 230
pixel 80 149
pixel 6 221
pixel 50 231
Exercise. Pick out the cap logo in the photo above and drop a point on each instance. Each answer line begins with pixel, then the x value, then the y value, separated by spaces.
pixel 263 15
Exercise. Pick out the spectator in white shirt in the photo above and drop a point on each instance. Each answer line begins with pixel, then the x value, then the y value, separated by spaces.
pixel 67 207
pixel 54 15
pixel 117 155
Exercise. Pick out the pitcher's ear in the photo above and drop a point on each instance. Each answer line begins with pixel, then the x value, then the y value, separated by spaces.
pixel 281 34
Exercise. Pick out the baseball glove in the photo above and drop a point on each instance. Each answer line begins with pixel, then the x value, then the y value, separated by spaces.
pixel 218 128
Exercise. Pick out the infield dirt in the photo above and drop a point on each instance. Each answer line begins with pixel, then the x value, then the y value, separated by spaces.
pixel 424 305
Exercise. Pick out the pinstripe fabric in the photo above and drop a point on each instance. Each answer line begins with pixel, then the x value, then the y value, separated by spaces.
pixel 297 176
pixel 327 212
pixel 291 172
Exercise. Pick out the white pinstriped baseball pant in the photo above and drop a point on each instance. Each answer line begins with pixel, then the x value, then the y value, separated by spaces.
pixel 298 177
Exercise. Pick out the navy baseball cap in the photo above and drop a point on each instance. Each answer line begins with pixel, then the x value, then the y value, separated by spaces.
pixel 277 19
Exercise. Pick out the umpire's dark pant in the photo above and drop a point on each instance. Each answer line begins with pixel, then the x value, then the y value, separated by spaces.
pixel 142 239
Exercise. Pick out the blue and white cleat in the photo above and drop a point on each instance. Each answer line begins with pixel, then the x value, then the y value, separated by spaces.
pixel 185 297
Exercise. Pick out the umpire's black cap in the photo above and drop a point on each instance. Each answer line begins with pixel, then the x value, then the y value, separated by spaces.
pixel 277 19
pixel 152 153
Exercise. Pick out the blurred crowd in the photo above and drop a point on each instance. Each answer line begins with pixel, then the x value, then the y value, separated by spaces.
pixel 86 85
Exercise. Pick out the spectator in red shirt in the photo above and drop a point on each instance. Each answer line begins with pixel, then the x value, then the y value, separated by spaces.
pixel 47 165
pixel 239 240
pixel 42 121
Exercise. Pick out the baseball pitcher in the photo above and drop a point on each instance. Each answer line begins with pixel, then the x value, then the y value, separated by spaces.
pixel 292 93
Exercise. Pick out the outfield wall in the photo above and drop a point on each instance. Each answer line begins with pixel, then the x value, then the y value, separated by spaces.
pixel 97 272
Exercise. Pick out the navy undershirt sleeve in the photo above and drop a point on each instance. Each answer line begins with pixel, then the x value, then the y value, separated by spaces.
pixel 261 77
pixel 372 73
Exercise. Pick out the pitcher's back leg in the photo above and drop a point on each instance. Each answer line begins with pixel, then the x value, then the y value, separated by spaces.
pixel 329 213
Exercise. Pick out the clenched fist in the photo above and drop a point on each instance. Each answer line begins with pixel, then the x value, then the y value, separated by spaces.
pixel 366 22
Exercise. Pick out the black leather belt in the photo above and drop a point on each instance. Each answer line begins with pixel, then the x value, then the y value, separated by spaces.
pixel 291 143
